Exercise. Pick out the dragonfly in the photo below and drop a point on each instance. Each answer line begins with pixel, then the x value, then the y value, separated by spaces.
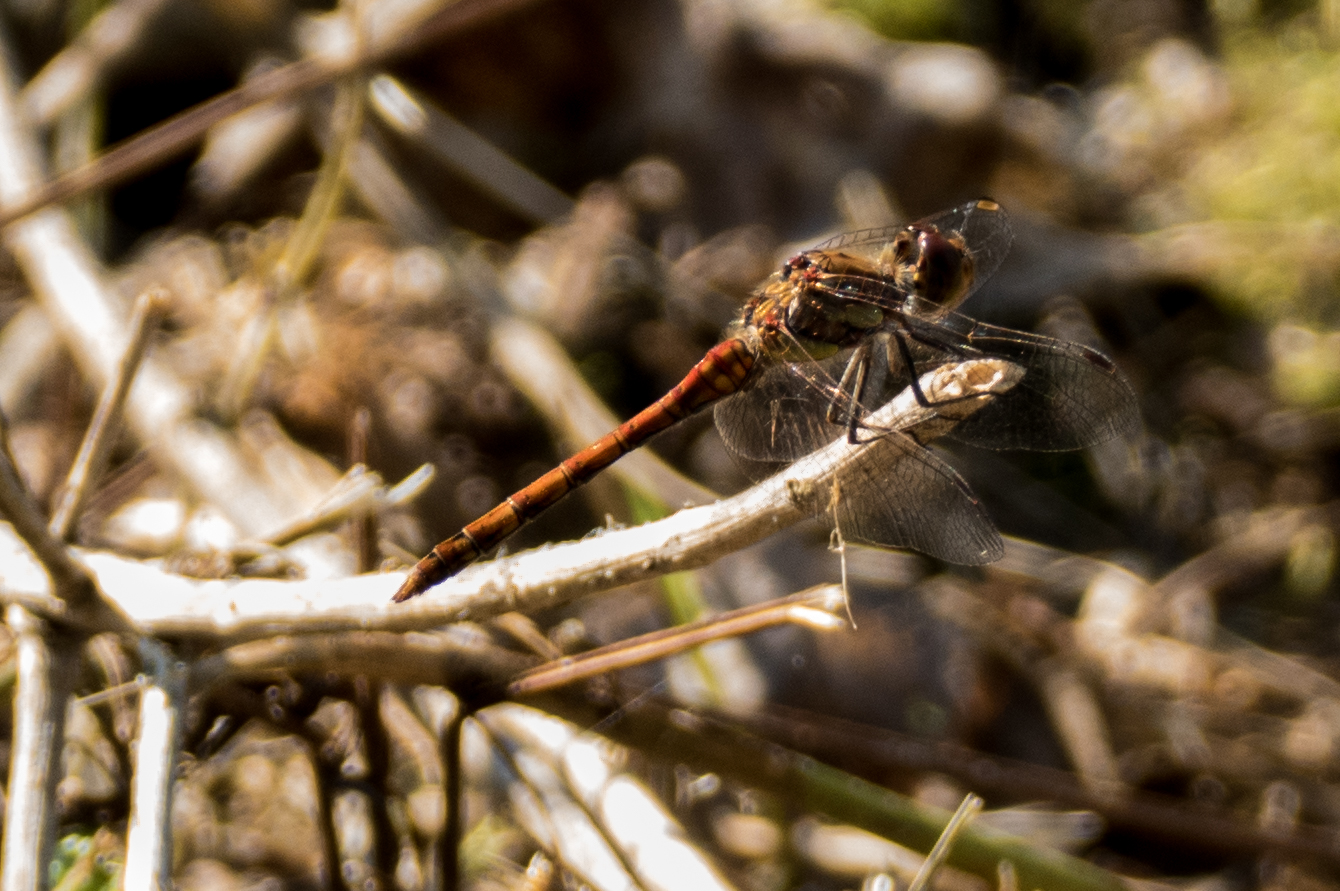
pixel 830 337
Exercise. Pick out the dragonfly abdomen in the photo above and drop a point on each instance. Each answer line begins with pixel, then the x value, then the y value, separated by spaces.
pixel 718 374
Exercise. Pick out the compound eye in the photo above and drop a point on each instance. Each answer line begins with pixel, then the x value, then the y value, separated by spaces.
pixel 943 270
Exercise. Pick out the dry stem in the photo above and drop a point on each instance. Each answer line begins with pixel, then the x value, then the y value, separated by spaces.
pixel 168 604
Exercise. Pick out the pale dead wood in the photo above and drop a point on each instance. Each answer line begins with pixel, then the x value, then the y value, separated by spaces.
pixel 165 604
pixel 162 711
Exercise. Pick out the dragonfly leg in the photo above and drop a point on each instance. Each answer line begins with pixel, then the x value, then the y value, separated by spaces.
pixel 852 387
pixel 900 336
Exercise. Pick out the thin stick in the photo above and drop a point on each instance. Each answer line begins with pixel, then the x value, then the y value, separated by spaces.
pixel 149 841
pixel 815 607
pixel 92 457
pixel 46 669
pixel 120 691
pixel 166 140
pixel 363 524
pixel 969 808
pixel 511 184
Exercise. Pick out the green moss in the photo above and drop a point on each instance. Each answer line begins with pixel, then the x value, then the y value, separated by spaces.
pixel 909 19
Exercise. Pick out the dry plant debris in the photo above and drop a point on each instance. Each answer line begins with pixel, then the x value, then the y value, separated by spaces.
pixel 410 253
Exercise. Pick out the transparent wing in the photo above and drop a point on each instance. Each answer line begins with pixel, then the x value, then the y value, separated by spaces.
pixel 901 495
pixel 781 414
pixel 983 225
pixel 1070 397
pixel 895 493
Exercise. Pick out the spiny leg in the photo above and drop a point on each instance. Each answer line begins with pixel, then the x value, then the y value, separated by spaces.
pixel 905 353
pixel 900 336
pixel 851 387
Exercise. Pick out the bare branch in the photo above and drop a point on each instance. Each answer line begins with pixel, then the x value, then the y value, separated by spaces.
pixel 169 604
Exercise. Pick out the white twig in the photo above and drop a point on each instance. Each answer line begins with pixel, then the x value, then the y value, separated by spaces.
pixel 162 603
pixel 149 841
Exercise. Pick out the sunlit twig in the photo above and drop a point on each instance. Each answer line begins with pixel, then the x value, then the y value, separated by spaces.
pixel 969 808
pixel 816 607
pixel 149 839
pixel 543 578
pixel 92 456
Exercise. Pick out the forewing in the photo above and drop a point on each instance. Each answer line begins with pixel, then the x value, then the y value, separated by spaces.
pixel 1070 397
pixel 983 225
pixel 899 494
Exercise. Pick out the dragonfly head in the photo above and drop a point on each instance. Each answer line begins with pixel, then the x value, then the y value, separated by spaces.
pixel 942 269
pixel 797 263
